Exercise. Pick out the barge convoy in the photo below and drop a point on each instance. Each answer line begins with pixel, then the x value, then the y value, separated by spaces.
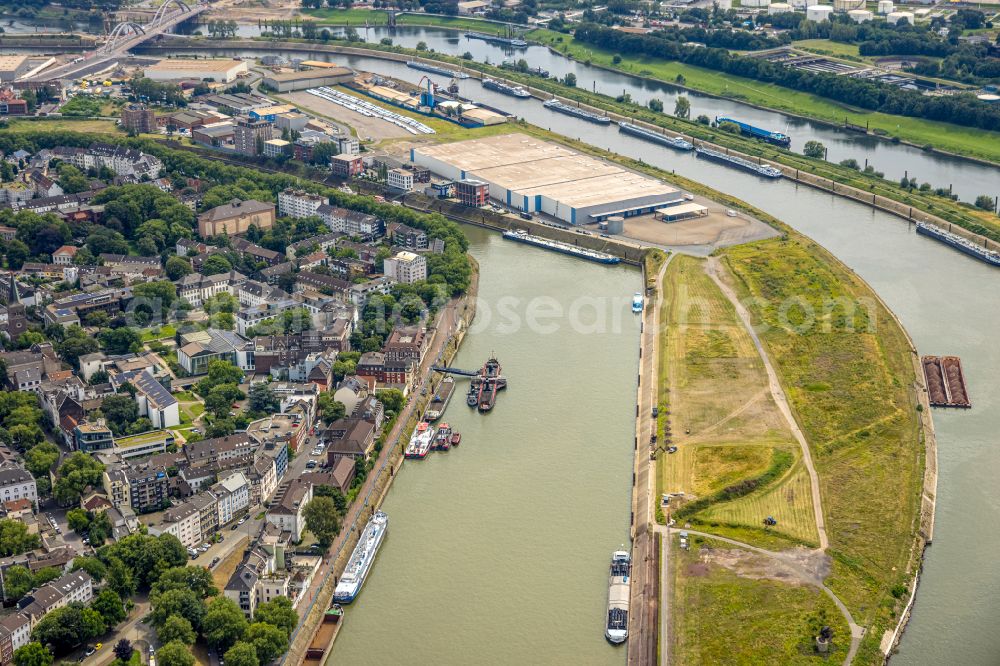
pixel 484 386
pixel 959 243
pixel 556 105
pixel 777 138
pixel 765 170
pixel 945 382
pixel 619 592
pixel 505 88
pixel 435 69
pixel 522 236
pixel 674 142
pixel 361 559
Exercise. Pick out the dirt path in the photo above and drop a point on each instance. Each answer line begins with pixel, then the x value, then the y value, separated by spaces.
pixel 778 393
pixel 793 565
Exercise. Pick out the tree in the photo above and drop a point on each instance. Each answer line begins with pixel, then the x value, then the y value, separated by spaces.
pixel 67 627
pixel 242 654
pixel 15 539
pixel 182 603
pixel 814 149
pixel 120 579
pixel 321 520
pixel 91 565
pixel 985 202
pixel 110 606
pixel 17 580
pixel 219 372
pixel 77 343
pixel 174 653
pixel 41 458
pixel 656 105
pixel 120 340
pixel 78 519
pixel 196 579
pixel 177 267
pixel 176 628
pixel 123 650
pixel 268 640
pixel 120 411
pixel 570 80
pixel 334 493
pixel 77 472
pixel 216 264
pixel 278 612
pixel 682 107
pixel 32 654
pixel 328 409
pixel 224 624
pixel 262 399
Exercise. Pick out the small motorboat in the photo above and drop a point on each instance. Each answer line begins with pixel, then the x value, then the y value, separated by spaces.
pixel 456 439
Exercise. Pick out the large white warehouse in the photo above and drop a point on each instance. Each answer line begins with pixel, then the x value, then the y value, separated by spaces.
pixel 536 176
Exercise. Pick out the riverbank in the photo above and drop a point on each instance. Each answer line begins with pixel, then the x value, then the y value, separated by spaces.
pixel 955 140
pixel 452 323
pixel 915 205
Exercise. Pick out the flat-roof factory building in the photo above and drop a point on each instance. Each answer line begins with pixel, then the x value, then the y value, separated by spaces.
pixel 308 78
pixel 535 176
pixel 223 70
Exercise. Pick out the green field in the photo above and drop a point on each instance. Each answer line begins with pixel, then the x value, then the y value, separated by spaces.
pixel 723 617
pixel 850 381
pixel 724 422
pixel 828 47
pixel 943 136
pixel 358 17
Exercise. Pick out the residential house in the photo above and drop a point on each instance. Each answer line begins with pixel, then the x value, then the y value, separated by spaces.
pixel 236 218
pixel 233 495
pixel 349 438
pixel 287 511
pixel 17 483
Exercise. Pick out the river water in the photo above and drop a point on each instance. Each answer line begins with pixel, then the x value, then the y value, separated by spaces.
pixel 948 303
pixel 497 550
pixel 968 179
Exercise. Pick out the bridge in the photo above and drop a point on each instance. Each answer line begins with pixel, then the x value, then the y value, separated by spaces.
pixel 126 36
pixel 455 371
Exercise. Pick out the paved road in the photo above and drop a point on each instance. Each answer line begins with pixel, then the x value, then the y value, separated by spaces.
pixel 778 393
pixel 644 601
pixel 360 511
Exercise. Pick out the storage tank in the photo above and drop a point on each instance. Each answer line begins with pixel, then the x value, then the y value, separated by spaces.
pixel 847 5
pixel 755 3
pixel 819 13
pixel 885 7
pixel 724 5
pixel 895 17
pixel 989 98
pixel 779 8
pixel 616 225
pixel 860 15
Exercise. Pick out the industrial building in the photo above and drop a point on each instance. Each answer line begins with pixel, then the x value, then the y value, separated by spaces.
pixel 310 78
pixel 12 67
pixel 535 176
pixel 224 70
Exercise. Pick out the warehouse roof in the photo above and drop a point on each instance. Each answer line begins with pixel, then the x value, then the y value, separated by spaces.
pixel 213 64
pixel 495 151
pixel 310 74
pixel 603 189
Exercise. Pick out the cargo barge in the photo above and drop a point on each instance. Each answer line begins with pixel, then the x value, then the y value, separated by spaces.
pixel 945 382
pixel 505 88
pixel 674 142
pixel 959 243
pixel 521 236
pixel 777 138
pixel 765 170
pixel 556 105
pixel 619 595
pixel 435 69
pixel 512 42
pixel 362 559
pixel 441 399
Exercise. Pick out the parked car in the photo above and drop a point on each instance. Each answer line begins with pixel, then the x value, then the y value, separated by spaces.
pixel 89 651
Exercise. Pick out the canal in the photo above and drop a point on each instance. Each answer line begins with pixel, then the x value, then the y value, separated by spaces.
pixel 947 302
pixel 968 179
pixel 497 551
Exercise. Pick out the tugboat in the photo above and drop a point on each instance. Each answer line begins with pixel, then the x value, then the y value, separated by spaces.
pixel 618 597
pixel 456 438
pixel 472 397
pixel 443 440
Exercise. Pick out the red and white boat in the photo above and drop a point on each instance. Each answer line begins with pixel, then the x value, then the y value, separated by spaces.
pixel 420 442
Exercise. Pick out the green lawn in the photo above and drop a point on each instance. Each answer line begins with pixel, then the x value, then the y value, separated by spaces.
pixel 723 617
pixel 944 136
pixel 358 17
pixel 159 333
pixel 827 47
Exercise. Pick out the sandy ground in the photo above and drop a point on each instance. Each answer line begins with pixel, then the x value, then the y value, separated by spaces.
pixel 714 230
pixel 754 565
pixel 366 128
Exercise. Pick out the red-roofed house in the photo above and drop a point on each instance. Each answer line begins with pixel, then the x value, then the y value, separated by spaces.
pixel 64 255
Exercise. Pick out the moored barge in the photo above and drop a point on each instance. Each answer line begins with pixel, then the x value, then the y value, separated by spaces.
pixel 765 170
pixel 959 243
pixel 674 142
pixel 945 382
pixel 556 105
pixel 522 236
